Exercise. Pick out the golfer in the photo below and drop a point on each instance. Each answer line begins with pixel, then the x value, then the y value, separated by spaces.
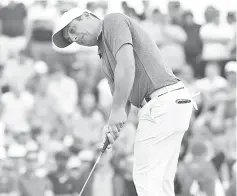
pixel 137 75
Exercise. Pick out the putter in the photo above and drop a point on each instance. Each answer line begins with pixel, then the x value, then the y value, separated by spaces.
pixel 119 126
pixel 97 161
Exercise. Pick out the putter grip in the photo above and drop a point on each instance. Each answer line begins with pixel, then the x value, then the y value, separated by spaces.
pixel 105 145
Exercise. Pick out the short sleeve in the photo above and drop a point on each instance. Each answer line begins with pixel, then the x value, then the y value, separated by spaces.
pixel 117 31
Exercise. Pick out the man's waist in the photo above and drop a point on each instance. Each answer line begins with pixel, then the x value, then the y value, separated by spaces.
pixel 162 91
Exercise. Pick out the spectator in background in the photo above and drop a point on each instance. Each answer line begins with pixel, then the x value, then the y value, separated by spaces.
pixel 216 37
pixel 122 161
pixel 29 182
pixel 175 12
pixel 60 179
pixel 231 20
pixel 146 10
pixel 8 178
pixel 91 6
pixel 232 48
pixel 125 7
pixel 130 189
pixel 212 87
pixel 83 164
pixel 17 106
pixel 18 147
pixel 39 77
pixel 12 29
pixel 229 103
pixel 213 82
pixel 2 82
pixel 79 170
pixel 152 26
pixel 40 26
pixel 172 48
pixel 18 71
pixel 105 97
pixel 193 44
pixel 64 5
pixel 62 90
pixel 209 14
pixel 80 74
pixel 43 114
pixel 88 121
pixel 199 176
pixel 230 72
pixel 2 137
pixel 131 12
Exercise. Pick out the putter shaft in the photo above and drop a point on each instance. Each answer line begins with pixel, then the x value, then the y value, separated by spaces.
pixel 93 168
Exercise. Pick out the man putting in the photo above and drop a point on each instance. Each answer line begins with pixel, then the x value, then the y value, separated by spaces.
pixel 137 75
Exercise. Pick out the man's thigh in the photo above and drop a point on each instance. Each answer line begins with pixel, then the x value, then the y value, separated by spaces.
pixel 162 124
pixel 155 165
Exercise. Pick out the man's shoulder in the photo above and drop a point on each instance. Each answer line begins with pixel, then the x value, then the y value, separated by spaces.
pixel 112 18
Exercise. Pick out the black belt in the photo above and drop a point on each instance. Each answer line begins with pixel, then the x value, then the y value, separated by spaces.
pixel 147 99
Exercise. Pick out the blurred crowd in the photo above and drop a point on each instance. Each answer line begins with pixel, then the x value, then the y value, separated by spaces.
pixel 54 103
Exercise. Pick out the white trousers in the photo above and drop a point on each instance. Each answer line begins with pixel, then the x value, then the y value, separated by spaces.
pixel 162 124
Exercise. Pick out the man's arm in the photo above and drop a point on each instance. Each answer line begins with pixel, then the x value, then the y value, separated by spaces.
pixel 123 77
pixel 118 34
pixel 128 104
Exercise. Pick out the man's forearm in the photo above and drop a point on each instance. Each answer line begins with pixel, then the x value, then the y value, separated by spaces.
pixel 124 78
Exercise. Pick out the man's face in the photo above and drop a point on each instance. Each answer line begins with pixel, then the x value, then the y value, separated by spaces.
pixel 82 30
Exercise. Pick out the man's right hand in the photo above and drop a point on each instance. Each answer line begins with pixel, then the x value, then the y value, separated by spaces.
pixel 111 132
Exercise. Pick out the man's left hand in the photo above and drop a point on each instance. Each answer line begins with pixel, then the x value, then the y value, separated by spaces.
pixel 115 123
